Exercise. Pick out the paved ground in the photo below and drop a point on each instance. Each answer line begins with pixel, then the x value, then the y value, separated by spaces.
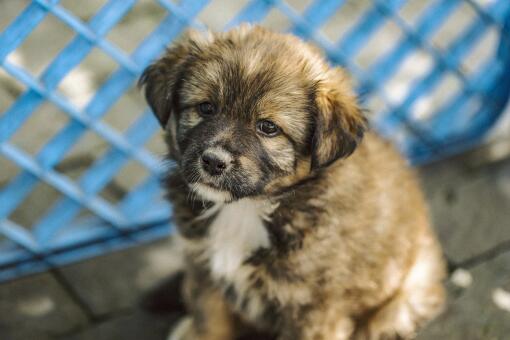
pixel 100 299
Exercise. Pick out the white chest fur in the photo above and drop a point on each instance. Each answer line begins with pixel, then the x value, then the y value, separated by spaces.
pixel 236 232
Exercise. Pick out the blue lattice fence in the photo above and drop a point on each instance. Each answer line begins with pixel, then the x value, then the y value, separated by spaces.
pixel 472 94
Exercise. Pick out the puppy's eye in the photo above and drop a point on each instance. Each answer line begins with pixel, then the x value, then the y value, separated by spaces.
pixel 268 128
pixel 206 109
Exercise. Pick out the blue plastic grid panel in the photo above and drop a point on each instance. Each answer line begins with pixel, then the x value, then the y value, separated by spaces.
pixel 431 73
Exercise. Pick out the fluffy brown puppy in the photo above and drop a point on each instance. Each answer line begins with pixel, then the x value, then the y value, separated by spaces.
pixel 292 222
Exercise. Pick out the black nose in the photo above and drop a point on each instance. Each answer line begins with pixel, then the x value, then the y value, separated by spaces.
pixel 213 164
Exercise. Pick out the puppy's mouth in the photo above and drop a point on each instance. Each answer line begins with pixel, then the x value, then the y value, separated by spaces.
pixel 222 188
pixel 210 192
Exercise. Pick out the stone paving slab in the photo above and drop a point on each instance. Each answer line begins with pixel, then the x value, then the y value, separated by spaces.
pixel 470 207
pixel 116 281
pixel 472 313
pixel 37 308
pixel 135 325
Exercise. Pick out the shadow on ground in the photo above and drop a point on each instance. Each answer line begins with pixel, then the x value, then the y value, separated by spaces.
pixel 100 299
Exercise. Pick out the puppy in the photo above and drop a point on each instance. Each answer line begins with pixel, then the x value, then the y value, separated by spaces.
pixel 293 220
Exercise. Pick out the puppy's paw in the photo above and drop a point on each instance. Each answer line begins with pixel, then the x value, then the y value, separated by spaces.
pixel 183 330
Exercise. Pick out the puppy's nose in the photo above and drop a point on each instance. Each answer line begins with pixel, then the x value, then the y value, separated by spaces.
pixel 213 164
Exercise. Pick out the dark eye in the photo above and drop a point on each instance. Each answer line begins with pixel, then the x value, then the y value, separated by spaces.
pixel 268 128
pixel 206 109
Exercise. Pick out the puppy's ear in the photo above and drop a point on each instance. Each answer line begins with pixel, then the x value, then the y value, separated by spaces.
pixel 161 77
pixel 339 124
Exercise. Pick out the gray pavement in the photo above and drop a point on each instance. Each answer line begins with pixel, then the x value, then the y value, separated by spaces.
pixel 99 299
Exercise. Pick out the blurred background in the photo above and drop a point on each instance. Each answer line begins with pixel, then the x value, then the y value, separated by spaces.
pixel 83 226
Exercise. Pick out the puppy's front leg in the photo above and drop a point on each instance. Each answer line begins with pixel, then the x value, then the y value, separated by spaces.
pixel 209 316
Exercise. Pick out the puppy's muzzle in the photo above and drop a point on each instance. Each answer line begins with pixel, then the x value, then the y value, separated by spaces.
pixel 216 161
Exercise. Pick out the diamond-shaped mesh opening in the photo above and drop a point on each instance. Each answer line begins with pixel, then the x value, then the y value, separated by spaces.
pixel 10 9
pixel 356 83
pixel 426 106
pixel 126 110
pixel 457 23
pixel 342 20
pixel 276 20
pixel 379 43
pixel 136 25
pixel 470 109
pixel 132 174
pixel 85 175
pixel 300 5
pixel 84 10
pixel 228 9
pixel 412 69
pixel 82 154
pixel 10 89
pixel 46 121
pixel 483 52
pixel 4 242
pixel 156 145
pixel 10 250
pixel 80 228
pixel 81 83
pixel 41 46
pixel 8 172
pixel 374 105
pixel 35 205
pixel 459 120
pixel 83 215
pixel 399 136
pixel 74 166
pixel 412 10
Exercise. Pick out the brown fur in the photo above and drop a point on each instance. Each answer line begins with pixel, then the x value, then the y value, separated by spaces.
pixel 350 253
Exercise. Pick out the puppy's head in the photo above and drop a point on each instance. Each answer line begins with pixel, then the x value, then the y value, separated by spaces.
pixel 250 112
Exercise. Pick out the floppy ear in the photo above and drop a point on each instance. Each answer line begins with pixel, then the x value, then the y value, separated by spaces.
pixel 161 77
pixel 339 124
